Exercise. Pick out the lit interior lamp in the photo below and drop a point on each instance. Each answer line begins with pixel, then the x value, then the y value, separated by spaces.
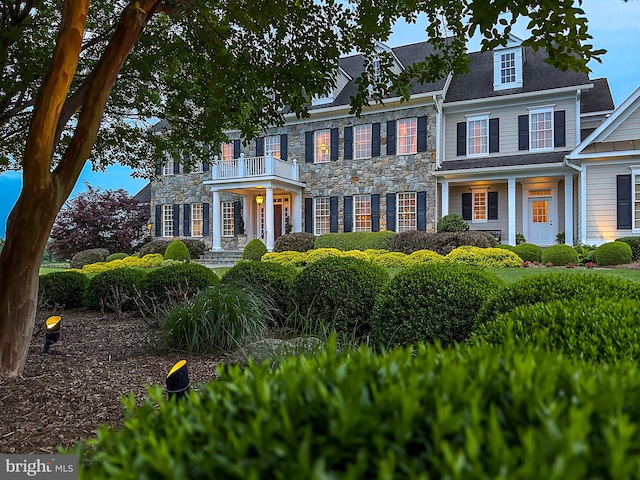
pixel 178 380
pixel 52 332
pixel 259 199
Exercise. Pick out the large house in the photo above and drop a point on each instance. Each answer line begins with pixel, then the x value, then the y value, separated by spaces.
pixel 493 145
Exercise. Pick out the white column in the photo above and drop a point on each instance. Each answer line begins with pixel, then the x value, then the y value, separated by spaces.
pixel 249 222
pixel 217 224
pixel 583 204
pixel 512 210
pixel 568 209
pixel 445 197
pixel 296 214
pixel 268 219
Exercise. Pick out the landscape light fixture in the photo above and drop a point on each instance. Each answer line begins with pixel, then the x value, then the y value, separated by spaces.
pixel 51 332
pixel 178 380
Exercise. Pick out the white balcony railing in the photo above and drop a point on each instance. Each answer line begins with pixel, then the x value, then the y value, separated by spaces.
pixel 246 167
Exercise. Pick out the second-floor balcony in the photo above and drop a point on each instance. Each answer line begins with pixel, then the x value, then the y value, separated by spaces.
pixel 251 167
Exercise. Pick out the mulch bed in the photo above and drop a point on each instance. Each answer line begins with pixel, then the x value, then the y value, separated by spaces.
pixel 63 396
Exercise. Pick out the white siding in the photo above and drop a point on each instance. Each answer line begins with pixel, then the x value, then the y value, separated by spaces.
pixel 627 130
pixel 455 206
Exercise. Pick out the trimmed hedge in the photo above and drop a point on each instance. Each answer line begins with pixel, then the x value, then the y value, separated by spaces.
pixel 196 247
pixel 560 255
pixel 429 302
pixel 154 246
pixel 177 283
pixel 528 252
pixel 294 242
pixel 442 243
pixel 390 259
pixel 86 257
pixel 64 289
pixel 424 256
pixel 484 257
pixel 613 253
pixel 114 287
pixel 177 250
pixel 292 259
pixel 634 243
pixel 254 250
pixel 116 256
pixel 152 260
pixel 355 240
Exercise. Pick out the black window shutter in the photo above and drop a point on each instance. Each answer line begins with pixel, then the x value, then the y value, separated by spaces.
pixel 158 167
pixel 624 202
pixel 466 206
pixel 205 166
pixel 176 220
pixel 186 219
pixel 237 212
pixel 284 146
pixel 205 219
pixel 422 134
pixel 494 135
pixel 334 144
pixel 559 137
pixel 308 148
pixel 348 143
pixel 333 214
pixel 375 140
pixel 308 215
pixel 158 220
pixel 236 149
pixel 260 147
pixel 186 168
pixel 492 205
pixel 391 137
pixel 375 212
pixel 391 211
pixel 461 139
pixel 523 132
pixel 348 214
pixel 176 166
pixel 421 200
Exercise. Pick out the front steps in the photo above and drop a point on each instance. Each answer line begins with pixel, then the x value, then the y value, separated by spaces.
pixel 222 258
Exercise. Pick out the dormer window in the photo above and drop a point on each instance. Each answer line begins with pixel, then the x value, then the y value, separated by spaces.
pixel 507 68
pixel 323 99
pixel 376 70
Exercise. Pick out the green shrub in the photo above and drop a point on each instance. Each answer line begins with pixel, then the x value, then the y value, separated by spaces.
pixel 271 280
pixel 442 243
pixel 254 250
pixel 177 250
pixel 586 253
pixel 598 330
pixel 86 257
pixel 452 223
pixel 429 302
pixel 116 256
pixel 484 257
pixel 114 289
pixel 64 289
pixel 319 253
pixel 390 259
pixel 355 240
pixel 528 252
pixel 340 292
pixel 634 243
pixel 154 246
pixel 520 239
pixel 613 253
pixel 294 242
pixel 560 255
pixel 217 319
pixel 196 247
pixel 547 287
pixel 177 283
pixel 424 256
pixel 407 414
pixel 292 259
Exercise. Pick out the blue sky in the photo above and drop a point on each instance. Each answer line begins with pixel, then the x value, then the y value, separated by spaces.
pixel 614 25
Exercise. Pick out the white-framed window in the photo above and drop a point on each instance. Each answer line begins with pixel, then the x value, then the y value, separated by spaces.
pixel 406 212
pixel 272 144
pixel 407 136
pixel 507 68
pixel 197 219
pixel 541 128
pixel 323 99
pixel 477 135
pixel 362 213
pixel 167 168
pixel 322 139
pixel 376 69
pixel 479 205
pixel 227 151
pixel 167 220
pixel 362 141
pixel 227 219
pixel 321 215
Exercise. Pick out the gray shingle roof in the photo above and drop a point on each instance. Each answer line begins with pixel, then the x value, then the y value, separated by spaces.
pixel 597 99
pixel 504 161
pixel 144 195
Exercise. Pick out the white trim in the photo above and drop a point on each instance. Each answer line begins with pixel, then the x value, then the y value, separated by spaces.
pixel 497 68
pixel 482 190
pixel 499 170
pixel 481 117
pixel 542 110
pixel 553 206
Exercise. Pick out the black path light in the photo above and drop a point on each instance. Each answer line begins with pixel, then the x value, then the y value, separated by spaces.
pixel 51 332
pixel 178 380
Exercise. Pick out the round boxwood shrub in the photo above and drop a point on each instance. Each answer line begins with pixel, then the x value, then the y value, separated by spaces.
pixel 452 223
pixel 114 289
pixel 390 259
pixel 424 256
pixel 177 283
pixel 528 252
pixel 484 257
pixel 547 287
pixel 294 242
pixel 154 246
pixel 634 243
pixel 429 302
pixel 293 259
pixel 340 292
pixel 613 253
pixel 254 250
pixel 598 330
pixel 271 280
pixel 64 289
pixel 116 256
pixel 177 250
pixel 196 247
pixel 560 255
pixel 85 257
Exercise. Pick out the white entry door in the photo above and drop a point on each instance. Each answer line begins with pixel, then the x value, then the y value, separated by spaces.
pixel 542 231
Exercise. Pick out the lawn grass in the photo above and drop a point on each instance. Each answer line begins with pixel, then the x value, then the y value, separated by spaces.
pixel 510 275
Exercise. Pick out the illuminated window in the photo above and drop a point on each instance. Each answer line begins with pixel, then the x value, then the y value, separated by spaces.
pixel 362 213
pixel 227 219
pixel 478 135
pixel 479 206
pixel 167 168
pixel 196 219
pixel 540 211
pixel 508 67
pixel 362 141
pixel 167 220
pixel 227 151
pixel 321 209
pixel 407 136
pixel 406 207
pixel 322 146
pixel 272 144
pixel 541 129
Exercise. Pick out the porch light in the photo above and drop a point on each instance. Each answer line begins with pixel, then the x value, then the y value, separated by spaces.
pixel 259 199
pixel 51 332
pixel 178 380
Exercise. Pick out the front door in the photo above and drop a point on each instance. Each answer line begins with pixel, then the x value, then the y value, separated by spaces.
pixel 541 228
pixel 277 221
